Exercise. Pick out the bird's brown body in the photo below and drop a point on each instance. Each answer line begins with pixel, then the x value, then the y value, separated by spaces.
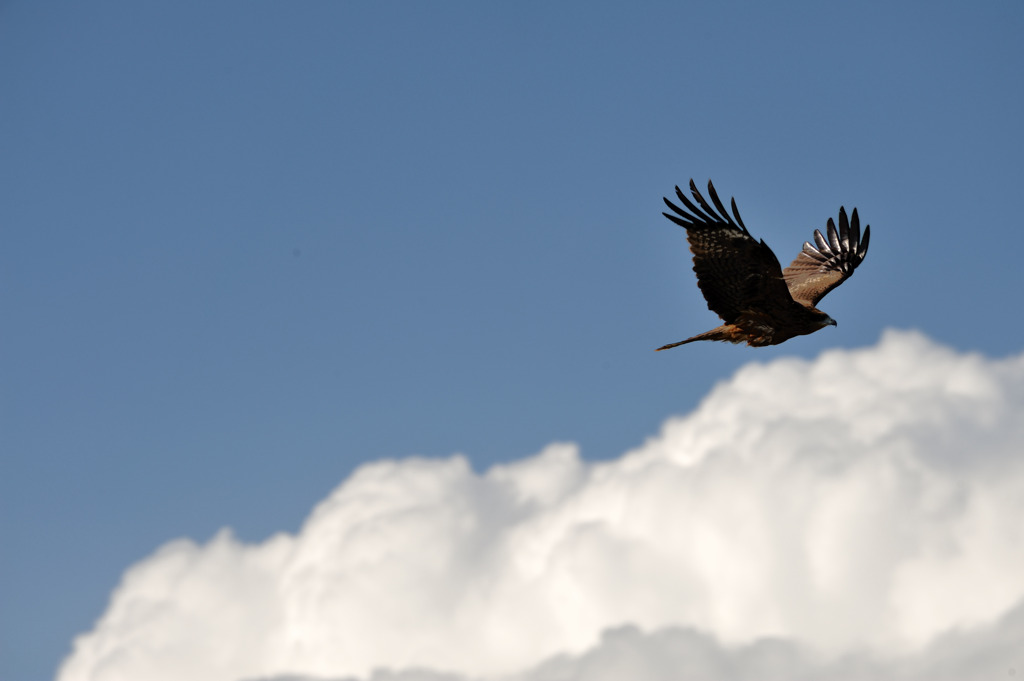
pixel 756 330
pixel 743 282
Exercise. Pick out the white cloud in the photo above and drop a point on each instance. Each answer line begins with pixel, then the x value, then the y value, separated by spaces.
pixel 841 518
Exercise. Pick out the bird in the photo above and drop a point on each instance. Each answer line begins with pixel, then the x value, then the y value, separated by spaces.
pixel 743 282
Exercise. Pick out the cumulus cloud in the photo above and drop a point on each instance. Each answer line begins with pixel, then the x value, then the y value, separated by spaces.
pixel 853 516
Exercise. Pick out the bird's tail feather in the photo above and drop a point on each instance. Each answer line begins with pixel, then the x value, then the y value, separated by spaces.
pixel 726 332
pixel 672 345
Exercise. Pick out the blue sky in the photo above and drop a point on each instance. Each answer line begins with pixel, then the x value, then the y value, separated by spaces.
pixel 249 246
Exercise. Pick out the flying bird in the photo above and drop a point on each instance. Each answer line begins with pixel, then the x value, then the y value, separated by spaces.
pixel 743 282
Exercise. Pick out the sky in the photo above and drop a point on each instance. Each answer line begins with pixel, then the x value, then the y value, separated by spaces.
pixel 269 269
pixel 875 526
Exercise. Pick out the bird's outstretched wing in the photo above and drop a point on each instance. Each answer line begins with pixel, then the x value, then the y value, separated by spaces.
pixel 735 272
pixel 820 268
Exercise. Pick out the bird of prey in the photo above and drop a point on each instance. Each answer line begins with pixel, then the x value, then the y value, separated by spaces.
pixel 743 282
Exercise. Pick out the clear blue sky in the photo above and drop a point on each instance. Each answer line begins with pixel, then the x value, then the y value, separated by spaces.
pixel 247 246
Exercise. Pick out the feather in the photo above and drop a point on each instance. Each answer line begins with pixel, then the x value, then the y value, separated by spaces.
pixel 721 208
pixel 854 232
pixel 864 243
pixel 689 204
pixel 833 238
pixel 736 214
pixel 820 240
pixel 704 204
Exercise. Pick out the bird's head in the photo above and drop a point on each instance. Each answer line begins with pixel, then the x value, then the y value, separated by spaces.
pixel 824 320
